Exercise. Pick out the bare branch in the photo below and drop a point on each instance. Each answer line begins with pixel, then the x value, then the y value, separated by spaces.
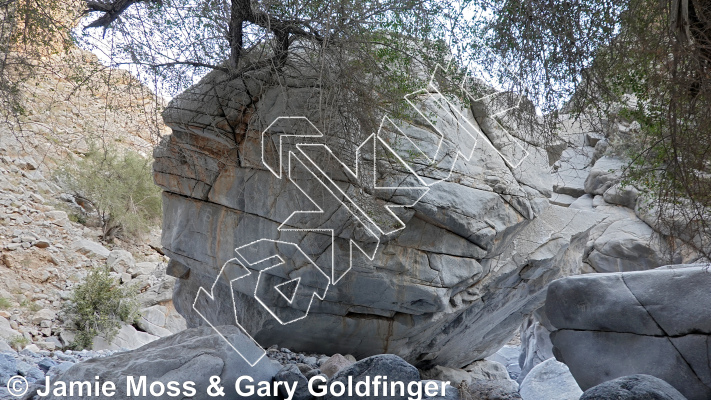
pixel 112 10
pixel 176 63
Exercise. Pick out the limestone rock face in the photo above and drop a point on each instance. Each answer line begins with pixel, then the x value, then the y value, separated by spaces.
pixel 445 280
pixel 536 346
pixel 654 322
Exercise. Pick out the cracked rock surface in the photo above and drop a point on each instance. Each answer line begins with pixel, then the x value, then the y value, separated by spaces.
pixel 471 262
pixel 654 322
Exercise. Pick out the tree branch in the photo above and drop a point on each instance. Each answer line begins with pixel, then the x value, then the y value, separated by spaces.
pixel 112 10
pixel 176 63
pixel 278 26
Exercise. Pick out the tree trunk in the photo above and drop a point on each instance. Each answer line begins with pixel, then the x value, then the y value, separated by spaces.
pixel 240 11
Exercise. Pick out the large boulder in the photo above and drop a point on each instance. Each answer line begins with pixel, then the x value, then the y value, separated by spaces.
pixel 550 380
pixel 627 244
pixel 655 322
pixel 606 173
pixel 622 195
pixel 192 355
pixel 633 387
pixel 385 365
pixel 449 283
pixel 6 331
pixel 127 338
pixel 160 320
pixel 623 242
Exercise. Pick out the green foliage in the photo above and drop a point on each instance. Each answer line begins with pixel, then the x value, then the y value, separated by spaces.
pixel 5 303
pixel 34 307
pixel 98 305
pixel 119 187
pixel 78 218
pixel 18 342
pixel 623 61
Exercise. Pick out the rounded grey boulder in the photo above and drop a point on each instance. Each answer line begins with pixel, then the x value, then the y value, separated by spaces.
pixel 194 355
pixel 386 365
pixel 633 387
pixel 653 322
pixel 550 380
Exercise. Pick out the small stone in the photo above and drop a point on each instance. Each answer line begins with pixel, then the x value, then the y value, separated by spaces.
pixel 312 373
pixel 47 345
pixel 55 341
pixel 120 261
pixel 37 198
pixel 27 163
pixel 143 268
pixel 334 364
pixel 30 350
pixel 46 364
pixel 56 215
pixel 91 249
pixel 44 314
pixel 41 243
pixel 550 379
pixel 303 367
pixel 13 246
pixel 390 365
pixel 60 368
pixel 291 373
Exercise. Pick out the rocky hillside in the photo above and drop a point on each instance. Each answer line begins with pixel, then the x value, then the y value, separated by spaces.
pixel 44 250
pixel 588 177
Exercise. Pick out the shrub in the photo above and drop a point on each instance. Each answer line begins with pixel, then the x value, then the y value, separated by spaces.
pixel 98 306
pixel 5 303
pixel 118 187
pixel 78 218
pixel 18 342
